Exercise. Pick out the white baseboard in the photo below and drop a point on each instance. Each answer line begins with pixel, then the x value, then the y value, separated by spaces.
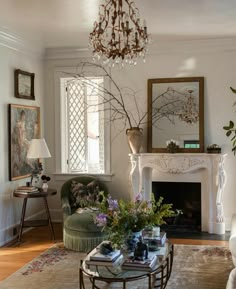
pixel 6 234
pixel 56 215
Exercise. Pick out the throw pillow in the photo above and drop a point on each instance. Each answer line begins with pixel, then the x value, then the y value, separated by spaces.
pixel 84 195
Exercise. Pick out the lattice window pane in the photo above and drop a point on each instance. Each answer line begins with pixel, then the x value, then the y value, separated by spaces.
pixel 77 135
pixel 101 139
pixel 85 127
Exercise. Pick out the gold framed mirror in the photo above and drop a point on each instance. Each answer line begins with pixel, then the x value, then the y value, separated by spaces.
pixel 176 112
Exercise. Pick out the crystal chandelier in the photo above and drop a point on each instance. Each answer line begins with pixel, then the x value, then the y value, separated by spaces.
pixel 190 112
pixel 119 37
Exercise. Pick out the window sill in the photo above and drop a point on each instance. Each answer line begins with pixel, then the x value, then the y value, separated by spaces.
pixel 67 176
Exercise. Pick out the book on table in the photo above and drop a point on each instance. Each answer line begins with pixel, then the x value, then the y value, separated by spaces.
pixel 155 242
pixel 115 262
pixel 26 189
pixel 132 262
pixel 97 256
pixel 161 239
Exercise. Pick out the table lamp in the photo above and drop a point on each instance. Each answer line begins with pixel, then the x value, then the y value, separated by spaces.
pixel 38 149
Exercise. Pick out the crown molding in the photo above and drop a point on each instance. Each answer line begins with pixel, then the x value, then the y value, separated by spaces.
pixel 210 45
pixel 18 44
pixel 67 53
pixel 159 46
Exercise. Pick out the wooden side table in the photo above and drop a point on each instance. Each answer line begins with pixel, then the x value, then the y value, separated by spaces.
pixel 35 223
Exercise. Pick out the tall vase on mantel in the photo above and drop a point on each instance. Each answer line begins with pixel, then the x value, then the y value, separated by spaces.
pixel 135 139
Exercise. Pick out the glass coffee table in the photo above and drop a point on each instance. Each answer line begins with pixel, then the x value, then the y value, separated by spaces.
pixel 156 277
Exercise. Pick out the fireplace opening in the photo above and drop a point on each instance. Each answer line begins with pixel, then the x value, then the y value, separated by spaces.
pixel 185 197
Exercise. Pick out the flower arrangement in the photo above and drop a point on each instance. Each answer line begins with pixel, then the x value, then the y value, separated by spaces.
pixel 119 219
pixel 45 178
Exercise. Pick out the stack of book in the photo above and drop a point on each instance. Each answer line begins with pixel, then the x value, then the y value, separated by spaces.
pixel 25 189
pixel 113 258
pixel 155 242
pixel 144 265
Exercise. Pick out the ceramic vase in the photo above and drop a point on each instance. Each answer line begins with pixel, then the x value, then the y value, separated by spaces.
pixel 45 186
pixel 132 240
pixel 135 139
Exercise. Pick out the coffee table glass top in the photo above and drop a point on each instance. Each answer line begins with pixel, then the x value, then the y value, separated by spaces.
pixel 117 271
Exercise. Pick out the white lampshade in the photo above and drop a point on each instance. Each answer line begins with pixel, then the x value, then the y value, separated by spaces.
pixel 38 149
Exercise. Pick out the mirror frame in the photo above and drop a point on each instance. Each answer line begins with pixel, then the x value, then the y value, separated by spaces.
pixel 200 80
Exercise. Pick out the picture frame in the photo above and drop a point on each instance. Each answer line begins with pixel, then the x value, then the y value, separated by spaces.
pixel 24 84
pixel 170 117
pixel 24 125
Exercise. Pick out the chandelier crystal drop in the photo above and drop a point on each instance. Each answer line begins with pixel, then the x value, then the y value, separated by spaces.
pixel 118 37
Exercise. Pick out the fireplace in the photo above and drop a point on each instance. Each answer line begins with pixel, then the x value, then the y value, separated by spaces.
pixel 206 169
pixel 186 200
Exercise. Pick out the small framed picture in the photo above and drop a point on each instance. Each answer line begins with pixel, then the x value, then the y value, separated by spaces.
pixel 24 84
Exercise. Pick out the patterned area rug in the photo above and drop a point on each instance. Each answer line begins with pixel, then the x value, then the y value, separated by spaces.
pixel 198 267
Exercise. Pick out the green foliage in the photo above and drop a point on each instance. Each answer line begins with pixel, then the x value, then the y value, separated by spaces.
pixel 231 130
pixel 119 218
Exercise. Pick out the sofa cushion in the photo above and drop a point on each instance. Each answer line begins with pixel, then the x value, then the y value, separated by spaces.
pixel 83 222
pixel 232 239
pixel 231 284
pixel 84 195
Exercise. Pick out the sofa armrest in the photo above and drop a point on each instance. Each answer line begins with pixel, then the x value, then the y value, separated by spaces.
pixel 232 245
pixel 232 239
pixel 231 284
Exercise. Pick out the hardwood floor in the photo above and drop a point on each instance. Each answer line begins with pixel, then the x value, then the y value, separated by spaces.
pixel 13 257
pixel 34 242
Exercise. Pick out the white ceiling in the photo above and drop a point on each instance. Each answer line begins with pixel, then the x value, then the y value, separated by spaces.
pixel 67 23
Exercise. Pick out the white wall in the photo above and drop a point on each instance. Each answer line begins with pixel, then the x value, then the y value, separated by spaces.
pixel 12 56
pixel 214 60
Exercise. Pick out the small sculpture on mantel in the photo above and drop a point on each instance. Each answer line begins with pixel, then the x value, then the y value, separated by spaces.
pixel 213 149
pixel 172 146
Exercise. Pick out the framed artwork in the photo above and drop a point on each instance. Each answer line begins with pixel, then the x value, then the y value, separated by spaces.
pixel 176 112
pixel 24 84
pixel 24 125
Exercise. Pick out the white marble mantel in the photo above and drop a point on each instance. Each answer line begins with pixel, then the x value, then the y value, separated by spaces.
pixel 208 169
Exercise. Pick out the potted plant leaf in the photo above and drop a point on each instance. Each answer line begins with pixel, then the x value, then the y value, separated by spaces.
pixel 231 130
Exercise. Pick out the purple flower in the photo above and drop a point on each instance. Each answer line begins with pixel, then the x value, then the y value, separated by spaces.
pixel 138 197
pixel 113 204
pixel 101 220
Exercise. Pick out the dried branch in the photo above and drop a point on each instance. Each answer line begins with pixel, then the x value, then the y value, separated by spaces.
pixel 116 99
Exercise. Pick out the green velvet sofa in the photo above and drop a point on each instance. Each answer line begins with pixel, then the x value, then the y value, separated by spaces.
pixel 79 231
